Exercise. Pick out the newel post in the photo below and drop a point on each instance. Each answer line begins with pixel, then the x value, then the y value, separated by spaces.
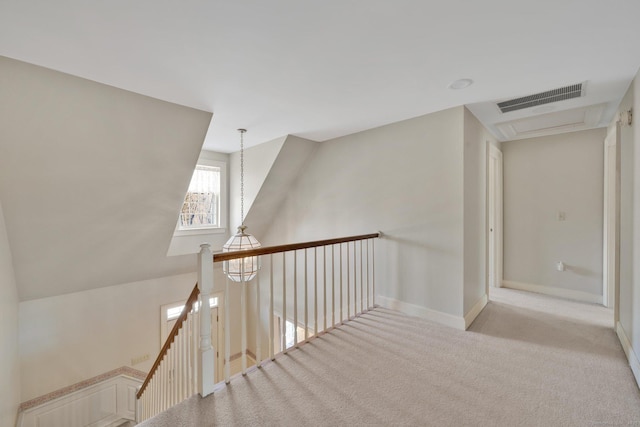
pixel 206 351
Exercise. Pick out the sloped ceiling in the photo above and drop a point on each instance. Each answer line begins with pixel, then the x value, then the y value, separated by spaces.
pixel 323 69
pixel 91 178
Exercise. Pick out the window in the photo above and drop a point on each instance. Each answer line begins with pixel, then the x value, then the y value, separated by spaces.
pixel 201 208
pixel 174 311
pixel 204 204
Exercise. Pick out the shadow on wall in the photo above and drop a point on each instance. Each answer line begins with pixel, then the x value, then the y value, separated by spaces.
pixel 420 260
pixel 581 271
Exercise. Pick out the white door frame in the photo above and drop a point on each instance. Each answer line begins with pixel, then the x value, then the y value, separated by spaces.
pixel 611 222
pixel 494 217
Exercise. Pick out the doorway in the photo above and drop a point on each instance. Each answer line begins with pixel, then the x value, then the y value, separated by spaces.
pixel 169 314
pixel 494 218
pixel 610 242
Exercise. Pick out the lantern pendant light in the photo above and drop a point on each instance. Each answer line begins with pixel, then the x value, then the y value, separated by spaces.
pixel 241 269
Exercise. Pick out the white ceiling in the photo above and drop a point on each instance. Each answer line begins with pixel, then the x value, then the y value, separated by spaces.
pixel 320 70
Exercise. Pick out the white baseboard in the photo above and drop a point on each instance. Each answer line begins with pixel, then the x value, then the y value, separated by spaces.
pixel 556 292
pixel 423 312
pixel 475 310
pixel 632 357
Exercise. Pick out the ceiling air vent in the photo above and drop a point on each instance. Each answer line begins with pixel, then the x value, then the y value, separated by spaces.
pixel 568 92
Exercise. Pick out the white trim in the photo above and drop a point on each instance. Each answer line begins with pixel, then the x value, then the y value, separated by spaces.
pixel 475 311
pixel 632 357
pixel 199 231
pixel 610 219
pixel 556 292
pixel 498 225
pixel 423 312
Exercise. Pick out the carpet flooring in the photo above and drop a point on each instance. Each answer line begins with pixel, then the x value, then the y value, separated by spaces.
pixel 527 360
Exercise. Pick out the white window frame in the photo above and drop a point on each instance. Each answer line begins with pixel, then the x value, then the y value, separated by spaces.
pixel 223 202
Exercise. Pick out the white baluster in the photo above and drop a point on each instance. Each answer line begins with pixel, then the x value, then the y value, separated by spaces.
pixel 361 283
pixel 373 271
pixel 185 358
pixel 181 364
pixel 194 352
pixel 333 287
pixel 355 282
pixel 206 359
pixel 271 333
pixel 243 320
pixel 306 297
pixel 258 324
pixel 178 366
pixel 163 389
pixel 315 291
pixel 348 287
pixel 324 287
pixel 140 416
pixel 368 289
pixel 189 342
pixel 169 389
pixel 193 348
pixel 152 394
pixel 138 408
pixel 227 333
pixel 284 303
pixel 172 375
pixel 341 291
pixel 295 298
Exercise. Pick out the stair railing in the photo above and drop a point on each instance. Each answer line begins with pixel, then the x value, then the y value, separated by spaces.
pixel 336 278
pixel 173 376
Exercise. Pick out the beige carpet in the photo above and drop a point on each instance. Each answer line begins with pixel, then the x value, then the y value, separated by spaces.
pixel 528 360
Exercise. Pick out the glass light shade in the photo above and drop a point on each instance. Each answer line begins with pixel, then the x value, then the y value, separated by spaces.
pixel 248 267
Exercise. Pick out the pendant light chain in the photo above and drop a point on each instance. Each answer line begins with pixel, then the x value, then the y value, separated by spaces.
pixel 242 131
pixel 241 270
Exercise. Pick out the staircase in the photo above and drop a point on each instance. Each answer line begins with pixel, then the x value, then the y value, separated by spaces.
pixel 302 290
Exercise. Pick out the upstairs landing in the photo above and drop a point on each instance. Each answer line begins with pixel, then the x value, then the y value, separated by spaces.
pixel 527 360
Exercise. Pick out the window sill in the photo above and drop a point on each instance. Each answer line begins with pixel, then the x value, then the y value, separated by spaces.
pixel 199 231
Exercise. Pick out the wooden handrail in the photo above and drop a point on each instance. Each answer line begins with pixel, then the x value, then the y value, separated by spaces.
pixel 226 256
pixel 174 332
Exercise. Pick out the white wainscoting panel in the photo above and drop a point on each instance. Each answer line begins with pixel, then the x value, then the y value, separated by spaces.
pixel 98 405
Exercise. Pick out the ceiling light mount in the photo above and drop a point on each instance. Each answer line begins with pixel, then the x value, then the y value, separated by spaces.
pixel 460 84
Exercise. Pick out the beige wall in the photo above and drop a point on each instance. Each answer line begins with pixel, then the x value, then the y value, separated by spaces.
pixel 543 176
pixel 91 177
pixel 9 361
pixel 405 179
pixel 258 161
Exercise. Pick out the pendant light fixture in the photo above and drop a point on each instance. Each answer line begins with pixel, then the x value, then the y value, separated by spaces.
pixel 241 269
